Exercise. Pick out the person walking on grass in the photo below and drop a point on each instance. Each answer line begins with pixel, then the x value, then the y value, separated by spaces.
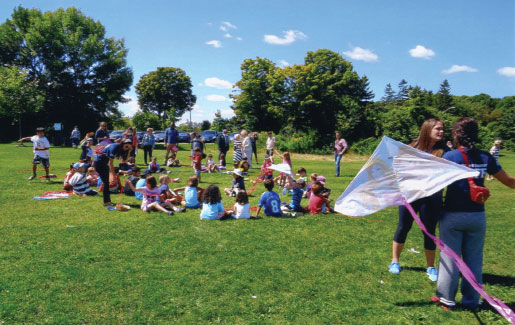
pixel 41 148
pixel 104 164
pixel 463 223
pixel 340 147
pixel 171 140
pixel 75 137
pixel 429 208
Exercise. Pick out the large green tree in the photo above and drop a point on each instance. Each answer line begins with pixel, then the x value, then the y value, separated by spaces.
pixel 81 72
pixel 19 96
pixel 166 92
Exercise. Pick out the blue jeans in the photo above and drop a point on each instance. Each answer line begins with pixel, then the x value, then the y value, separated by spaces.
pixel 464 233
pixel 337 159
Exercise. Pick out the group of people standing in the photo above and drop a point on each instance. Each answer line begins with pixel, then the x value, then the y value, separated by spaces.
pixel 462 221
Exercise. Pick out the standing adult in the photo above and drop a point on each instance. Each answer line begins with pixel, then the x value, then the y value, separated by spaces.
pixel 246 146
pixel 104 163
pixel 270 145
pixel 75 137
pixel 237 156
pixel 101 134
pixel 340 147
pixel 148 142
pixel 429 208
pixel 197 141
pixel 463 224
pixel 253 140
pixel 223 146
pixel 171 139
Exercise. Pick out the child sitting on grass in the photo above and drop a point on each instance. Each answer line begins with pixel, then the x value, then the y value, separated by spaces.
pixel 173 161
pixel 196 162
pixel 210 164
pixel 270 200
pixel 192 193
pixel 266 172
pixel 221 163
pixel 318 203
pixel 150 195
pixel 134 178
pixel 296 189
pixel 301 172
pixel 241 208
pixel 212 207
pixel 66 183
pixel 168 195
pixel 244 166
pixel 114 182
pixel 79 181
pixel 313 179
pixel 92 176
pixel 154 166
pixel 237 183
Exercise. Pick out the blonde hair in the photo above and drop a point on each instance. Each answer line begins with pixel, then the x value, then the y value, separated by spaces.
pixel 162 179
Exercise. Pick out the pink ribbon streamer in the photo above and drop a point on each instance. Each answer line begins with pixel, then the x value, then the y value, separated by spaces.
pixel 500 306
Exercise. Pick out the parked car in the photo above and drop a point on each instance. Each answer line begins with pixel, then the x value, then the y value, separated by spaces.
pixel 209 136
pixel 232 135
pixel 160 136
pixel 184 137
pixel 116 135
pixel 140 135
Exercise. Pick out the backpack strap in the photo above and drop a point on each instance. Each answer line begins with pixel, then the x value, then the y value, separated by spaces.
pixel 464 156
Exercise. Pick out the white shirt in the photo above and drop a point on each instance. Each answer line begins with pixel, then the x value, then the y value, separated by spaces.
pixel 242 211
pixel 40 143
pixel 270 143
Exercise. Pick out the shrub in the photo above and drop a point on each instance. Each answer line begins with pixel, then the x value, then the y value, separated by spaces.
pixel 302 142
pixel 365 146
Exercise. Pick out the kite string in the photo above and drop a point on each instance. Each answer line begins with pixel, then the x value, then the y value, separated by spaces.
pixel 500 306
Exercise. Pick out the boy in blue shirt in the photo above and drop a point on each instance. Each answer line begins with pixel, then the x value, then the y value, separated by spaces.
pixel 296 188
pixel 270 200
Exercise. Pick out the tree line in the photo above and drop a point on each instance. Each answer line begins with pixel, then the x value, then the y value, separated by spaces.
pixel 61 67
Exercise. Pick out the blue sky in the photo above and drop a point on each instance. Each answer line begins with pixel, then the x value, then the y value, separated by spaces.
pixel 470 43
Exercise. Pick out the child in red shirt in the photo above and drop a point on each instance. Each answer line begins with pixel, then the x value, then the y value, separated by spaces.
pixel 196 162
pixel 318 203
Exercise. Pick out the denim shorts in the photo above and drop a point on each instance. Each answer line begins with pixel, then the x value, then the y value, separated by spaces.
pixel 40 160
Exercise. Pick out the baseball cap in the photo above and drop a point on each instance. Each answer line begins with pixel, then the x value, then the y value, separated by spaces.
pixel 78 165
pixel 321 179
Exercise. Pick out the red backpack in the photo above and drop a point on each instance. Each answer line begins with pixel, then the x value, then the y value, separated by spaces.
pixel 478 194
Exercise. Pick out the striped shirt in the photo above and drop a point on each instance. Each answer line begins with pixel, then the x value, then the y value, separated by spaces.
pixel 495 152
pixel 80 184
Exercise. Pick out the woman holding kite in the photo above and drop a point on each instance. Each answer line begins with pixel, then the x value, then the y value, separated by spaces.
pixel 463 223
pixel 429 208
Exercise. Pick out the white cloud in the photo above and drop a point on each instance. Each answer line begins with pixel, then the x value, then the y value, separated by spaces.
pixel 130 108
pixel 239 38
pixel 283 63
pixel 422 52
pixel 216 98
pixel 358 53
pixel 507 71
pixel 200 84
pixel 226 26
pixel 290 36
pixel 227 35
pixel 227 113
pixel 217 83
pixel 215 43
pixel 459 68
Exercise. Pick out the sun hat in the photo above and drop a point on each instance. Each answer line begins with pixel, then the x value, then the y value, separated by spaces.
pixel 321 179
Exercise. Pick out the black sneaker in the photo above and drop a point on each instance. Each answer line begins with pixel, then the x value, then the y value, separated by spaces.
pixel 31 177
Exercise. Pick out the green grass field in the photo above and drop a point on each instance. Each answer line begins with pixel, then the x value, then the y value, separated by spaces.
pixel 73 261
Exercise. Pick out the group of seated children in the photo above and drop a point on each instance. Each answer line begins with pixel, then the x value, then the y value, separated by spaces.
pixel 79 181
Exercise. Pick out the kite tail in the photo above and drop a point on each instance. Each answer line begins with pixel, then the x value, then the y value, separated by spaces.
pixel 500 306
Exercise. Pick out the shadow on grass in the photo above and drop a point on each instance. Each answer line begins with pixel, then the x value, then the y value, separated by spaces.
pixel 413 268
pixel 503 280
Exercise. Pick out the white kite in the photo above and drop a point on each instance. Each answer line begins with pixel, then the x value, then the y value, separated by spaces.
pixel 283 168
pixel 397 174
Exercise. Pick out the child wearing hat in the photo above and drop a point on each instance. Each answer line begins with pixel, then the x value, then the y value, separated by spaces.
pixel 40 147
pixel 79 181
pixel 237 183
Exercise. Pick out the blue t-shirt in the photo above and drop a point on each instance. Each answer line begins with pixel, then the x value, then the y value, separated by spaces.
pixel 211 211
pixel 142 182
pixel 171 135
pixel 296 198
pixel 458 193
pixel 191 197
pixel 272 203
pixel 112 151
pixel 100 133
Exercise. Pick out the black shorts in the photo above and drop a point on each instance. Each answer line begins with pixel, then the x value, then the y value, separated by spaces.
pixel 270 152
pixel 40 160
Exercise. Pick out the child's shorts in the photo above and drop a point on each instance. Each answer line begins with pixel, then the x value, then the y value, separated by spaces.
pixel 197 172
pixel 40 160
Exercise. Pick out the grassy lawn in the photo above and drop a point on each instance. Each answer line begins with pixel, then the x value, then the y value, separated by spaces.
pixel 73 261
